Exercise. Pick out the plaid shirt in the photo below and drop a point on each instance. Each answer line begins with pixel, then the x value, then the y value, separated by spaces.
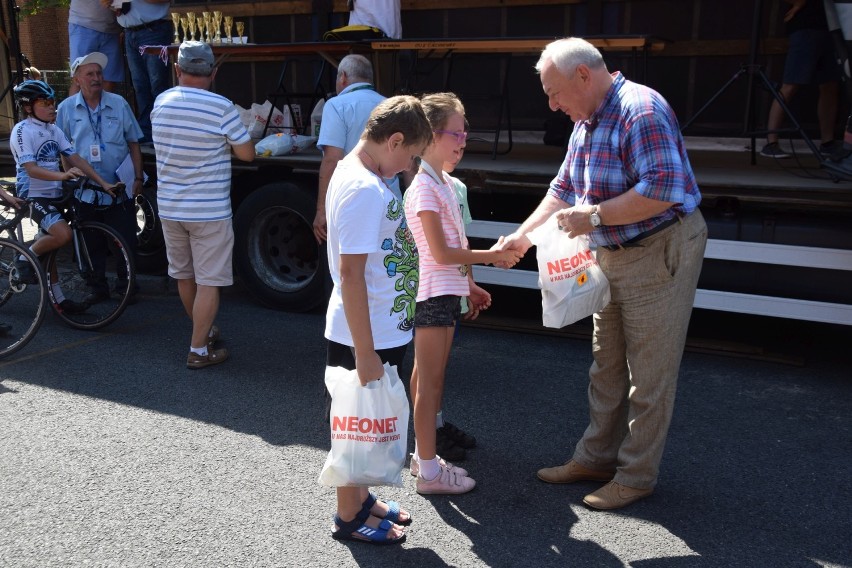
pixel 632 141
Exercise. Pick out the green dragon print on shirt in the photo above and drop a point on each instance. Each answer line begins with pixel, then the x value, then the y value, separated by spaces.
pixel 402 261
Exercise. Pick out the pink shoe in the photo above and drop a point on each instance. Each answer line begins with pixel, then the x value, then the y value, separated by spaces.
pixel 448 482
pixel 415 466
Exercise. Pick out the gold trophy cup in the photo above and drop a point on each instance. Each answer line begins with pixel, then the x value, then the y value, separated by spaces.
pixel 191 22
pixel 206 17
pixel 241 28
pixel 217 25
pixel 184 26
pixel 176 24
pixel 229 26
pixel 199 24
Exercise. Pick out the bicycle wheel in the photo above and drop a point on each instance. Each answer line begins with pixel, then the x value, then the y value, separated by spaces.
pixel 72 267
pixel 23 304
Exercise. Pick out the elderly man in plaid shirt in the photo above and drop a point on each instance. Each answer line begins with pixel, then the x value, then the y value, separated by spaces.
pixel 627 182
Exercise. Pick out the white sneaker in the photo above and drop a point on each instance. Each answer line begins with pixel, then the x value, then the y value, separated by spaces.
pixel 415 466
pixel 447 482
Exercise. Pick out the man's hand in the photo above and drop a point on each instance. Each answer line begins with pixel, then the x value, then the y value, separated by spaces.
pixel 575 221
pixel 320 226
pixel 515 241
pixel 137 187
pixel 797 5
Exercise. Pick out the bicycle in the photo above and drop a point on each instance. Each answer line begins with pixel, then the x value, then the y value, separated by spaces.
pixel 22 304
pixel 75 267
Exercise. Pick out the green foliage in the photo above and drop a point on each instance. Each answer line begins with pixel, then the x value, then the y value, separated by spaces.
pixel 35 6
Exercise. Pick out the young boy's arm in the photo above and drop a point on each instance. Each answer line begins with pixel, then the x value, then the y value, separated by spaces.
pixel 353 287
pixel 77 161
pixel 37 172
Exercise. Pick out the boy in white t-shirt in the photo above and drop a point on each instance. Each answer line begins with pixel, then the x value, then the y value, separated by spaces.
pixel 373 265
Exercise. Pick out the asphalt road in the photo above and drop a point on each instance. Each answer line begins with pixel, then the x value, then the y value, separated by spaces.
pixel 112 453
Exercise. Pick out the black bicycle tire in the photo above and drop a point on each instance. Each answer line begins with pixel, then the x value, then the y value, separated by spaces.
pixel 131 277
pixel 43 299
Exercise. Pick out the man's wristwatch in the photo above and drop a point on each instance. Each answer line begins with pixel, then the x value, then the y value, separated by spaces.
pixel 594 218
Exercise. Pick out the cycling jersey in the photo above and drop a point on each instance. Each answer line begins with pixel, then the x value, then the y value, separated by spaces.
pixel 35 141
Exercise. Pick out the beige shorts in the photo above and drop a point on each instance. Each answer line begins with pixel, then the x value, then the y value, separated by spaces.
pixel 202 251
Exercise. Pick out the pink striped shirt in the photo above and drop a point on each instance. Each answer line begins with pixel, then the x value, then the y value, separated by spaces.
pixel 426 194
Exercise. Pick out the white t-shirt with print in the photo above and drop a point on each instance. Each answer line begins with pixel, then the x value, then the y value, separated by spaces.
pixel 365 217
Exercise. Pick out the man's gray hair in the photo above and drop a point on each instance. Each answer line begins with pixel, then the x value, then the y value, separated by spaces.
pixel 568 53
pixel 357 67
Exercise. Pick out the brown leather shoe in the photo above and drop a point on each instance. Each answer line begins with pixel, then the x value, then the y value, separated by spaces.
pixel 570 472
pixel 213 357
pixel 614 495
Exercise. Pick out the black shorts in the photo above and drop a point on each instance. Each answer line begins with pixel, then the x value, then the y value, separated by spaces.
pixel 44 213
pixel 440 311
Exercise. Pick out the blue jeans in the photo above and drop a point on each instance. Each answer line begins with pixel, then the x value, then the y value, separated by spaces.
pixel 149 74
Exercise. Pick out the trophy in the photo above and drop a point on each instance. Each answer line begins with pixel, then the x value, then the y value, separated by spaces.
pixel 176 24
pixel 191 17
pixel 229 25
pixel 217 24
pixel 199 23
pixel 241 28
pixel 184 26
pixel 205 37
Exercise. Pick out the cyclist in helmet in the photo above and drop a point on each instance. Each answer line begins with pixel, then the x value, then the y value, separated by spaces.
pixel 37 144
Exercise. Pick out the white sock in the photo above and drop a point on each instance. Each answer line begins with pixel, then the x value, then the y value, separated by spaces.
pixel 57 293
pixel 429 469
pixel 439 419
pixel 199 350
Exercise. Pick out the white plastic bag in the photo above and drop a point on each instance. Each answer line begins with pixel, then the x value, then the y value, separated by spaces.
pixel 278 122
pixel 283 143
pixel 369 430
pixel 572 284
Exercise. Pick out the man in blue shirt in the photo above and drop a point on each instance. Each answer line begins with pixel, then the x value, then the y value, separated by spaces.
pixel 101 126
pixel 343 121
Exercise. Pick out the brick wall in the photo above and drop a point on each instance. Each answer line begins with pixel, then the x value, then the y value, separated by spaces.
pixel 44 38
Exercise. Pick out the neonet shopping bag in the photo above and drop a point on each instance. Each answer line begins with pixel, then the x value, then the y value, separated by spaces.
pixel 369 430
pixel 572 284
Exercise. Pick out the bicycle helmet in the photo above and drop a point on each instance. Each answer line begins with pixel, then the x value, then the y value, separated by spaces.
pixel 30 91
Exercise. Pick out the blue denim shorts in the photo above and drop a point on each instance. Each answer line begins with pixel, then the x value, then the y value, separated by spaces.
pixel 440 311
pixel 83 40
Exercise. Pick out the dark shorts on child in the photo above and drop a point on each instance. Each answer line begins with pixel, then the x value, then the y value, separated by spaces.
pixel 44 213
pixel 440 311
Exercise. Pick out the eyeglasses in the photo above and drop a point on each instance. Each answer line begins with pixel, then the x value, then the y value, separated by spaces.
pixel 460 136
pixel 45 102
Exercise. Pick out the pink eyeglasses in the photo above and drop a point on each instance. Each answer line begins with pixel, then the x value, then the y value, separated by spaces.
pixel 460 136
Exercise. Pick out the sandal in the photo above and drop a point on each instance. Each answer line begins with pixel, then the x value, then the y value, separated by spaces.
pixel 366 534
pixel 393 511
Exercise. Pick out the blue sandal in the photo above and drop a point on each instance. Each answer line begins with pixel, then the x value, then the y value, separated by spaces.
pixel 393 510
pixel 366 534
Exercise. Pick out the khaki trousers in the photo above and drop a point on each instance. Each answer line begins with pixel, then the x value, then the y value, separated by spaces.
pixel 637 346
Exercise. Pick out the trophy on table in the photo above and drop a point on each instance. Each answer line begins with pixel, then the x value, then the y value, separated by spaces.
pixel 217 24
pixel 184 26
pixel 205 37
pixel 190 16
pixel 229 25
pixel 199 23
pixel 176 24
pixel 241 28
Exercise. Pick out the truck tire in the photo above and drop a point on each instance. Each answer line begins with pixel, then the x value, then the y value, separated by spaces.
pixel 150 245
pixel 275 252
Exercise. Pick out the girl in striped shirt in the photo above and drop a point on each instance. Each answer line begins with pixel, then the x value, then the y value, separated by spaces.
pixel 435 220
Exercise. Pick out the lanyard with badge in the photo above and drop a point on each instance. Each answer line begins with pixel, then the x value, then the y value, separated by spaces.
pixel 360 88
pixel 95 149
